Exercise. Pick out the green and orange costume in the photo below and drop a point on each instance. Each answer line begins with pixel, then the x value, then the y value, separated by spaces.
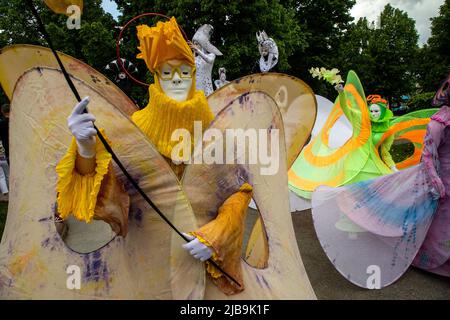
pixel 366 154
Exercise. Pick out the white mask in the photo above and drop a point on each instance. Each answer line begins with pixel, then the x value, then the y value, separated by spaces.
pixel 375 111
pixel 176 78
pixel 265 51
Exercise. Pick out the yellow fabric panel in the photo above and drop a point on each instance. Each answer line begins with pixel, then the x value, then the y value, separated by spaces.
pixel 60 6
pixel 225 235
pixel 77 194
pixel 92 196
pixel 257 250
pixel 178 169
pixel 122 269
pixel 113 203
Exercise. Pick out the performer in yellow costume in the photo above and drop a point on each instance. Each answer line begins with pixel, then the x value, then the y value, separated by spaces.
pixel 87 187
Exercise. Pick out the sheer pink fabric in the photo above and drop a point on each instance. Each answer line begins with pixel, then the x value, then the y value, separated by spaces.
pixel 434 255
pixel 372 230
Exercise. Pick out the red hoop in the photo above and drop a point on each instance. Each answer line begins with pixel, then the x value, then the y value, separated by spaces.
pixel 119 60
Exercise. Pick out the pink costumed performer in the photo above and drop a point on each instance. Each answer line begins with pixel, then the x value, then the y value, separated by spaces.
pixel 373 230
pixel 434 255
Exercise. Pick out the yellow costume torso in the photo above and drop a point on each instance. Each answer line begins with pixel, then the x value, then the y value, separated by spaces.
pixel 92 196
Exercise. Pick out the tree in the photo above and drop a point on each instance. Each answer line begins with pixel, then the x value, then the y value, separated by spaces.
pixel 433 64
pixel 383 54
pixel 93 43
pixel 235 25
pixel 354 52
pixel 421 101
pixel 394 46
pixel 324 23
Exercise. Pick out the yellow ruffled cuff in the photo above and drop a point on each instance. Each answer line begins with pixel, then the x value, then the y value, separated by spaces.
pixel 225 235
pixel 246 187
pixel 77 194
pixel 213 271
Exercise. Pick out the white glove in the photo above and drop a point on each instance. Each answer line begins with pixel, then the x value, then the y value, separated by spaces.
pixel 394 168
pixel 82 127
pixel 197 249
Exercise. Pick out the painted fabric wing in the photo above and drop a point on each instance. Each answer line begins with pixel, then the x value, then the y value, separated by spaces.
pixel 285 276
pixel 150 262
pixel 341 130
pixel 319 164
pixel 408 129
pixel 294 98
pixel 375 225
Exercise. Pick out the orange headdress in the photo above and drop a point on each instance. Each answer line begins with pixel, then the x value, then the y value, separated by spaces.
pixel 161 43
pixel 376 98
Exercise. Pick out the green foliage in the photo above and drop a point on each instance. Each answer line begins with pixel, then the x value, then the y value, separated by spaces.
pixel 309 33
pixel 383 54
pixel 401 150
pixel 394 48
pixel 324 23
pixel 434 62
pixel 355 54
pixel 3 213
pixel 421 101
pixel 235 25
pixel 3 98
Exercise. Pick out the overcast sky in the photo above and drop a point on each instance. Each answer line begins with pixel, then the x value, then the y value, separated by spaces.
pixel 419 10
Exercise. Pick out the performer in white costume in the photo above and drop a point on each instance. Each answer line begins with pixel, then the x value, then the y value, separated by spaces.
pixel 268 50
pixel 222 78
pixel 205 55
